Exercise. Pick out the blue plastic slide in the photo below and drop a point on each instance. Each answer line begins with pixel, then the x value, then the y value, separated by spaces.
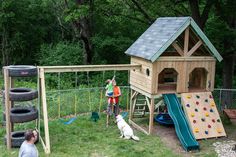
pixel 181 125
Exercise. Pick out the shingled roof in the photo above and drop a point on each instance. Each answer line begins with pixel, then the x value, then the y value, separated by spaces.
pixel 161 34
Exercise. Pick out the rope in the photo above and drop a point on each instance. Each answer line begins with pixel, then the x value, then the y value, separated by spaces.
pixel 59 98
pixel 101 92
pixel 75 104
pixel 76 80
pixel 89 94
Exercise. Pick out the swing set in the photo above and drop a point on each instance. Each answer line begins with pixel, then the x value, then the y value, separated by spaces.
pixel 95 112
pixel 62 69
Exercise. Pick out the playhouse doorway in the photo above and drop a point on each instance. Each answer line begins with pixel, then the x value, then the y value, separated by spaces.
pixel 198 80
pixel 167 80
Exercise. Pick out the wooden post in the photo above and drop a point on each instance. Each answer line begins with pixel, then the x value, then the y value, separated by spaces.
pixel 7 107
pixel 151 116
pixel 45 112
pixel 186 41
pixel 39 102
pixel 11 104
pixel 131 104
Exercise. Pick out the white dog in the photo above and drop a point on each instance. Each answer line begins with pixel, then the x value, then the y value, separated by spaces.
pixel 125 130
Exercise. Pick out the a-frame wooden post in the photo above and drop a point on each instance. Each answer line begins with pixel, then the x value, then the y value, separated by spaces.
pixel 7 81
pixel 151 116
pixel 45 111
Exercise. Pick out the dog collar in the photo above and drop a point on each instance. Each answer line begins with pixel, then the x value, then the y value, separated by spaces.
pixel 118 120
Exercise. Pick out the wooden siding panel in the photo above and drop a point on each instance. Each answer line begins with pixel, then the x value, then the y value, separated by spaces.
pixel 139 78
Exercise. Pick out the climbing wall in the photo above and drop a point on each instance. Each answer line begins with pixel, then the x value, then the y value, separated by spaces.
pixel 202 115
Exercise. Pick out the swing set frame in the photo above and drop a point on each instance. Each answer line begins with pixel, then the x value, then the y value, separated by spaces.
pixel 61 69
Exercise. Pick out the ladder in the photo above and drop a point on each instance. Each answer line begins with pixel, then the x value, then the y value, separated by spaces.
pixel 140 106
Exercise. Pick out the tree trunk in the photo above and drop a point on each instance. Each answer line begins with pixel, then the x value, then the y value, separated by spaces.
pixel 84 25
pixel 5 53
pixel 228 73
pixel 200 19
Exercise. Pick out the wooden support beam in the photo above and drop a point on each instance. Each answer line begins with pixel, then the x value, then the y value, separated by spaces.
pixel 134 103
pixel 7 107
pixel 134 94
pixel 131 104
pixel 45 111
pixel 151 114
pixel 138 127
pixel 111 67
pixel 186 58
pixel 148 102
pixel 161 102
pixel 186 41
pixel 194 48
pixel 178 49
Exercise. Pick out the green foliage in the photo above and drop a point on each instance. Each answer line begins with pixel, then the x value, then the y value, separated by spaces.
pixel 77 13
pixel 62 53
pixel 218 31
pixel 23 25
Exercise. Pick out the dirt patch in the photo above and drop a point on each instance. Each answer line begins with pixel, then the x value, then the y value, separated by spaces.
pixel 207 147
pixel 169 137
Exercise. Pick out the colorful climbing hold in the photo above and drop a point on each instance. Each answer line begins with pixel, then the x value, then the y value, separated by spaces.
pixel 196 130
pixel 194 121
pixel 218 120
pixel 204 108
pixel 189 96
pixel 206 100
pixel 219 130
pixel 188 105
pixel 211 110
pixel 213 120
pixel 198 96
pixel 212 104
pixel 196 110
pixel 207 114
pixel 206 132
pixel 209 126
pixel 203 119
pixel 197 102
pixel 192 114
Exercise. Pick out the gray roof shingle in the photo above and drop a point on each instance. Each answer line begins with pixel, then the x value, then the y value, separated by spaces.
pixel 158 37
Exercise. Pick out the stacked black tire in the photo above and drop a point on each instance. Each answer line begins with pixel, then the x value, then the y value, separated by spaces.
pixel 21 114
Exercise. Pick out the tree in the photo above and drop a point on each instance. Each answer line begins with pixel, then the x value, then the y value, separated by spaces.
pixel 24 26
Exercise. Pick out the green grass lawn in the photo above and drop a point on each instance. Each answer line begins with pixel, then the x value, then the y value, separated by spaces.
pixel 86 138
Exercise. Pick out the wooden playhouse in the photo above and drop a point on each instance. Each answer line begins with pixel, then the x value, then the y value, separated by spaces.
pixel 176 57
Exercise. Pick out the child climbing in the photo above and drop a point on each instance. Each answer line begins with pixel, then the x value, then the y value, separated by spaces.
pixel 109 87
pixel 113 99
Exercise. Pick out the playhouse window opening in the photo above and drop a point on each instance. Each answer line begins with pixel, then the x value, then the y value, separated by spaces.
pixel 167 79
pixel 147 72
pixel 198 79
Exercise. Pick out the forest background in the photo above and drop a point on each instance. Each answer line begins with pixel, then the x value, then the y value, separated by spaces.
pixel 80 32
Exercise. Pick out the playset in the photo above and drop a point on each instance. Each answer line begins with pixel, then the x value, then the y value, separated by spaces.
pixel 172 56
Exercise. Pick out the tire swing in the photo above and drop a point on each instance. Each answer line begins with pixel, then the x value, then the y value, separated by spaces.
pixel 17 138
pixel 22 71
pixel 22 94
pixel 19 114
pixel 22 114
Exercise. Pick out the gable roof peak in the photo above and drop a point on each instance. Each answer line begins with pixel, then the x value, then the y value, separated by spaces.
pixel 161 34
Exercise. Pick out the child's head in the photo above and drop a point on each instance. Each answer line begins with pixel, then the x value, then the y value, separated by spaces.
pixel 108 81
pixel 114 82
